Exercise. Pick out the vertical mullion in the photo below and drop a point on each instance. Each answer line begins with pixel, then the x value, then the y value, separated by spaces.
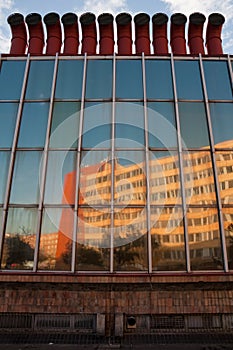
pixel 147 169
pixel 230 70
pixel 181 167
pixel 75 227
pixel 215 171
pixel 113 164
pixel 44 165
pixel 13 152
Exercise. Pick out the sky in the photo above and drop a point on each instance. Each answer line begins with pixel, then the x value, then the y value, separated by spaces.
pixel 169 7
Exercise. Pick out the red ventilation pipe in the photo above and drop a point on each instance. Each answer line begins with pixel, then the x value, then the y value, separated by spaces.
pixel 36 33
pixel 106 34
pixel 160 42
pixel 195 33
pixel 89 34
pixel 19 34
pixel 71 41
pixel 142 34
pixel 213 34
pixel 124 33
pixel 178 43
pixel 54 36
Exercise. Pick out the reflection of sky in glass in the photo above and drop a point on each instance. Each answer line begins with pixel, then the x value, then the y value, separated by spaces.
pixel 188 80
pixel 128 158
pixel 11 79
pixel 99 79
pixel 22 220
pixel 129 79
pixel 222 123
pixel 69 79
pixel 158 79
pixel 4 161
pixel 8 114
pixel 217 80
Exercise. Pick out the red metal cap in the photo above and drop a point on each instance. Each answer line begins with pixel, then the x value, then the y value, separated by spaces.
pixel 89 34
pixel 142 33
pixel 178 43
pixel 160 41
pixel 36 33
pixel 213 34
pixel 71 41
pixel 19 34
pixel 195 33
pixel 54 35
pixel 124 33
pixel 106 34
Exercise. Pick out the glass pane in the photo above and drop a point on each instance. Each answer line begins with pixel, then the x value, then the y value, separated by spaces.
pixel 20 238
pixel 161 125
pixel 4 161
pixel 129 126
pixel 164 178
pixel 56 239
pixel 95 178
pixel 130 178
pixel 99 79
pixel 25 185
pixel 61 178
pixel 11 79
pixel 167 238
pixel 188 80
pixel 222 124
pixel 65 125
pixel 217 80
pixel 93 239
pixel 228 227
pixel 69 79
pixel 130 239
pixel 224 162
pixel 8 114
pixel 198 178
pixel 204 239
pixel 33 125
pixel 40 80
pixel 129 79
pixel 97 125
pixel 193 125
pixel 159 79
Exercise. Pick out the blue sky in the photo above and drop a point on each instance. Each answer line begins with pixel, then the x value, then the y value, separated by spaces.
pixel 115 6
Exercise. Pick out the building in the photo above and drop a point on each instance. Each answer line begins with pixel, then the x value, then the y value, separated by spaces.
pixel 116 176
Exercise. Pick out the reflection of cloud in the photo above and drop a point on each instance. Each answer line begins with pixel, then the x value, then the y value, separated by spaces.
pixel 5 7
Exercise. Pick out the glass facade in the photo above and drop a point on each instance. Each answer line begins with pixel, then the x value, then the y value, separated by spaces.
pixel 116 164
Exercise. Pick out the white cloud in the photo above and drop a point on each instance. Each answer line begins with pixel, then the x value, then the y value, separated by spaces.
pixel 101 6
pixel 5 9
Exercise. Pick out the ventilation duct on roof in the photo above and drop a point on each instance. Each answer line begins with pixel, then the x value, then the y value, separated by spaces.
pixel 142 33
pixel 106 34
pixel 178 43
pixel 89 34
pixel 160 42
pixel 19 34
pixel 54 35
pixel 71 34
pixel 36 33
pixel 195 33
pixel 213 34
pixel 124 33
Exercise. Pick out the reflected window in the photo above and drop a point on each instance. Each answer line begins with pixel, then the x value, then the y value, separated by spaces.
pixel 99 79
pixel 159 79
pixel 61 178
pixel 129 125
pixel 204 239
pixel 217 80
pixel 56 239
pixel 40 78
pixel 20 239
pixel 69 79
pixel 95 178
pixel 224 161
pixel 188 80
pixel 164 178
pixel 228 228
pixel 93 239
pixel 222 124
pixel 167 239
pixel 25 185
pixel 193 125
pixel 8 115
pixel 11 79
pixel 161 125
pixel 65 125
pixel 97 125
pixel 129 79
pixel 33 125
pixel 4 161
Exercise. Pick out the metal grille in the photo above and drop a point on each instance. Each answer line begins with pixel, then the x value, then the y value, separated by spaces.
pixel 11 321
pixel 167 322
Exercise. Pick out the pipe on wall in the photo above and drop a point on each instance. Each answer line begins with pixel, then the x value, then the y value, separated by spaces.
pixel 19 34
pixel 142 33
pixel 89 33
pixel 106 32
pixel 36 33
pixel 213 34
pixel 195 33
pixel 54 34
pixel 124 33
pixel 178 43
pixel 160 41
pixel 71 33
